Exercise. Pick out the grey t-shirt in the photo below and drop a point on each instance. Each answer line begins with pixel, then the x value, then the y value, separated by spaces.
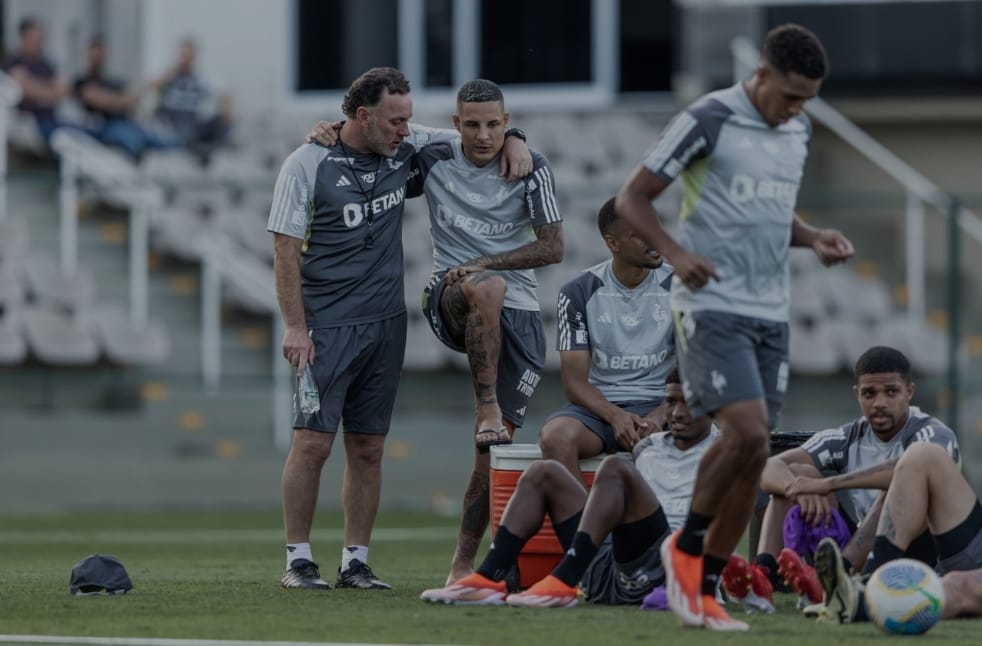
pixel 740 180
pixel 854 446
pixel 347 207
pixel 474 212
pixel 628 331
pixel 671 472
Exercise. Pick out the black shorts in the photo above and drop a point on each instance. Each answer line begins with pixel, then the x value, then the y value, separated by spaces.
pixel 523 350
pixel 357 370
pixel 608 582
pixel 601 428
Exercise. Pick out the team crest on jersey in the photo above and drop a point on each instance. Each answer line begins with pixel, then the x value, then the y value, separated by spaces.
pixel 501 195
pixel 476 198
pixel 369 178
pixel 688 326
pixel 719 381
pixel 600 358
pixel 393 164
pixel 659 315
pixel 449 187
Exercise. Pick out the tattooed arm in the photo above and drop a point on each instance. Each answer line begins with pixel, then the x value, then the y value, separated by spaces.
pixel 875 477
pixel 547 249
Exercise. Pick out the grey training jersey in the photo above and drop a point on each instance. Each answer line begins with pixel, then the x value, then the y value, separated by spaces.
pixel 854 446
pixel 740 180
pixel 474 213
pixel 347 207
pixel 629 332
pixel 671 472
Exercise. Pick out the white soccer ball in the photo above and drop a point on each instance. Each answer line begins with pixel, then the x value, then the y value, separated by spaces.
pixel 904 597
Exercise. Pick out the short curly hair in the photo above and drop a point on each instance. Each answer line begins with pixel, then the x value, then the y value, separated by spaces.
pixel 792 48
pixel 367 89
pixel 883 359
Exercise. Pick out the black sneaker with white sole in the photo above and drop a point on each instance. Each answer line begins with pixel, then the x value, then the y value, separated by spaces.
pixel 359 575
pixel 304 574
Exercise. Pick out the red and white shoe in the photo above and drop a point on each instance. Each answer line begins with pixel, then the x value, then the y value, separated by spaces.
pixel 799 576
pixel 550 592
pixel 717 619
pixel 749 585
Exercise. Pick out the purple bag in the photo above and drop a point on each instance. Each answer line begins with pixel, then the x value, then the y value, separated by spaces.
pixel 657 599
pixel 803 537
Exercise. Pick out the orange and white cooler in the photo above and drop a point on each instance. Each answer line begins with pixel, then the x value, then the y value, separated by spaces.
pixel 542 552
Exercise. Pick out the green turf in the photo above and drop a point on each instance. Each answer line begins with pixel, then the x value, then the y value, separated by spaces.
pixel 216 576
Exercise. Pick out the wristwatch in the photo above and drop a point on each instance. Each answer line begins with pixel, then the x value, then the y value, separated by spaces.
pixel 516 132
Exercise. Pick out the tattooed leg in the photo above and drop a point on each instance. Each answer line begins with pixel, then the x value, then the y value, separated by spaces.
pixel 472 309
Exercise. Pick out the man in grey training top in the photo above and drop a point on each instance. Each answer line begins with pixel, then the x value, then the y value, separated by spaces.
pixel 488 235
pixel 337 224
pixel 740 153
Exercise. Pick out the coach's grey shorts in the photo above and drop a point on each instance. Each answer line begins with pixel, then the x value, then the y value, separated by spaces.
pixel 609 582
pixel 523 350
pixel 357 370
pixel 727 358
pixel 601 428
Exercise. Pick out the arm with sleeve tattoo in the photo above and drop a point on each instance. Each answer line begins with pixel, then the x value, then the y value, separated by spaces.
pixel 546 249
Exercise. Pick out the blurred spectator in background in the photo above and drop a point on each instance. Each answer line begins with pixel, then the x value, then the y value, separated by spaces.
pixel 39 83
pixel 186 106
pixel 109 104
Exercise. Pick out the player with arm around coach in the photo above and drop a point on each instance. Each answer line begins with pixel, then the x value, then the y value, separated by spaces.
pixel 616 344
pixel 488 236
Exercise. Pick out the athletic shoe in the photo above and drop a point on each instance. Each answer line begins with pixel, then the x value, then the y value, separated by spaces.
pixel 303 574
pixel 715 618
pixel 473 590
pixel 841 592
pixel 799 576
pixel 683 581
pixel 550 592
pixel 359 575
pixel 749 585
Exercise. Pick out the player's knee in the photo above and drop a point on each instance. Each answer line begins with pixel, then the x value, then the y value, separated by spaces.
pixel 613 468
pixel 312 448
pixel 485 289
pixel 923 455
pixel 554 441
pixel 539 474
pixel 366 450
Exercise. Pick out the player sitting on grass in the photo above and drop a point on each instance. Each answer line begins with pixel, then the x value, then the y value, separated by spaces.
pixel 861 455
pixel 928 492
pixel 637 505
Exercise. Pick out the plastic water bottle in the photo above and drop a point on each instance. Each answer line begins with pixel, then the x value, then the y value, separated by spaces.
pixel 310 396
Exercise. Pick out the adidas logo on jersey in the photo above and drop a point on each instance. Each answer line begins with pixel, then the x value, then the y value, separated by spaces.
pixel 343 181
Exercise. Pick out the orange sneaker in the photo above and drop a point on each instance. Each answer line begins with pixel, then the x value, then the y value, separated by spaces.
pixel 550 592
pixel 749 585
pixel 715 618
pixel 472 590
pixel 799 576
pixel 683 581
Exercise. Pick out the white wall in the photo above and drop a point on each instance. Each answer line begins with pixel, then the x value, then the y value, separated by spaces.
pixel 242 45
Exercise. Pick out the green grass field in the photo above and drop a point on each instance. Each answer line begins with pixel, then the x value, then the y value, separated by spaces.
pixel 205 575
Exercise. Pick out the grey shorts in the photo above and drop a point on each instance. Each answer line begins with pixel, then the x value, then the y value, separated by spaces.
pixel 726 358
pixel 523 350
pixel 609 582
pixel 601 428
pixel 357 370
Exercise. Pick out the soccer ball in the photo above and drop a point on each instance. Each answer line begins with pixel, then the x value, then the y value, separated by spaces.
pixel 904 597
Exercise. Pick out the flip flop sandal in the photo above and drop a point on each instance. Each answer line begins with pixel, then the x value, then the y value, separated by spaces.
pixel 485 446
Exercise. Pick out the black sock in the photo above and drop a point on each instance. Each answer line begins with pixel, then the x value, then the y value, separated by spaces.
pixel 861 608
pixel 883 551
pixel 566 530
pixel 712 568
pixel 570 570
pixel 769 563
pixel 502 555
pixel 847 565
pixel 693 533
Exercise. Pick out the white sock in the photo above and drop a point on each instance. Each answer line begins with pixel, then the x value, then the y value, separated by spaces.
pixel 351 553
pixel 296 551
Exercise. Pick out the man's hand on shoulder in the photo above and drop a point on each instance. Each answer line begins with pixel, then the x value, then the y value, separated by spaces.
pixel 324 133
pixel 516 159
